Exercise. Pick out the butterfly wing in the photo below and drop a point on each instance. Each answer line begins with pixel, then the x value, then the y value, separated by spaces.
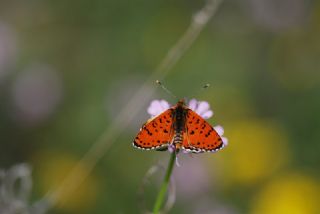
pixel 200 136
pixel 157 132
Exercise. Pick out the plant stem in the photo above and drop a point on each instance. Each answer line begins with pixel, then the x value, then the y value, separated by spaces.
pixel 164 186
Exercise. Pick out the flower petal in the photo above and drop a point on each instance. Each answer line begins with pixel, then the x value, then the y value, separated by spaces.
pixel 156 107
pixel 171 148
pixel 202 107
pixel 193 104
pixel 224 141
pixel 219 129
pixel 164 105
pixel 207 114
pixel 186 152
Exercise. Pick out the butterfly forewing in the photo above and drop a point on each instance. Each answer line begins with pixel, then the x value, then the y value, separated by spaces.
pixel 199 135
pixel 157 132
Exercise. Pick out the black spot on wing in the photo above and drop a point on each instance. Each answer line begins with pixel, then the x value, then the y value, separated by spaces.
pixel 148 131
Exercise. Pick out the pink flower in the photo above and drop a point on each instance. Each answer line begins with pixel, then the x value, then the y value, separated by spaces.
pixel 156 107
pixel 201 107
pixel 219 129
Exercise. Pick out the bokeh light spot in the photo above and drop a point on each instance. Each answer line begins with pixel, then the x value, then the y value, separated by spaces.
pixel 36 93
pixel 256 150
pixel 53 169
pixel 294 193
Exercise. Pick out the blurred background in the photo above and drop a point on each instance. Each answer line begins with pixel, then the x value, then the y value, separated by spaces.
pixel 68 67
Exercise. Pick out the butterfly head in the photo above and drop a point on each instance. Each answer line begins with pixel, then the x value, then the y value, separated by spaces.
pixel 181 102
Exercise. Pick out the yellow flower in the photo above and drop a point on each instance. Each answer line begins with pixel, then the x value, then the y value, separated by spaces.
pixel 293 193
pixel 256 150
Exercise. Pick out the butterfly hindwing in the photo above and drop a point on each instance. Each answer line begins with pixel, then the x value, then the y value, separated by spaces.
pixel 156 133
pixel 199 135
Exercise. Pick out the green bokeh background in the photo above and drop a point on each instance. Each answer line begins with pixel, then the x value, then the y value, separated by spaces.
pixel 260 57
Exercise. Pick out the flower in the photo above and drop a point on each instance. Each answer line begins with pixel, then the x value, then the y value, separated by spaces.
pixel 201 107
pixel 219 129
pixel 157 107
pixel 293 192
pixel 171 148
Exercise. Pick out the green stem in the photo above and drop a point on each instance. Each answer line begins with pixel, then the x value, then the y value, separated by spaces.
pixel 164 186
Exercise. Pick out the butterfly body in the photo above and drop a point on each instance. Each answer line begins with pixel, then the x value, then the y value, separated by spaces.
pixel 181 128
pixel 179 115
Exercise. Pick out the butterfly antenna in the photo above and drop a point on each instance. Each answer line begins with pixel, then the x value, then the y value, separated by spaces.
pixel 165 89
pixel 205 86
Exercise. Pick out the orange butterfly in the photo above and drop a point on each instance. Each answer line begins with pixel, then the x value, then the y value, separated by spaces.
pixel 181 128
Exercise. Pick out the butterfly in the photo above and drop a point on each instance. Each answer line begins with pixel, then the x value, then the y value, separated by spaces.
pixel 181 127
